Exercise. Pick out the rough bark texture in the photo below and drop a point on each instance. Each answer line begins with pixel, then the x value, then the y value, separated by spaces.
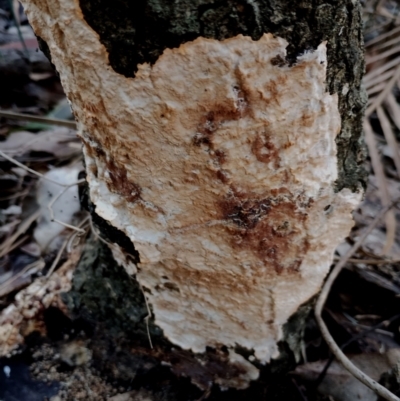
pixel 138 32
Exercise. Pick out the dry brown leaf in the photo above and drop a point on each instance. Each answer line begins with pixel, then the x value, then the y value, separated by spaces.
pixel 394 109
pixel 385 54
pixel 383 36
pixel 379 280
pixel 141 395
pixel 20 279
pixel 390 138
pixel 23 316
pixel 385 44
pixel 377 101
pixel 375 242
pixel 65 208
pixel 378 71
pixel 390 217
pixel 60 142
pixel 22 228
pixel 378 79
pixel 342 385
pixel 375 89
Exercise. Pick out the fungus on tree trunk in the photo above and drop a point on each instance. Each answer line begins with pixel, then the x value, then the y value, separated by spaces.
pixel 225 153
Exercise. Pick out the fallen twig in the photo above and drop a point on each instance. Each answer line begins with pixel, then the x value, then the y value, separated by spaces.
pixel 358 336
pixel 66 245
pixel 371 261
pixel 390 218
pixel 382 37
pixel 342 358
pixel 5 247
pixel 382 96
pixel 37 119
pixel 34 172
pixel 51 203
pixel 39 264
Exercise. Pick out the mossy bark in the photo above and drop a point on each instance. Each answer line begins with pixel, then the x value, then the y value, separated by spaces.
pixel 139 31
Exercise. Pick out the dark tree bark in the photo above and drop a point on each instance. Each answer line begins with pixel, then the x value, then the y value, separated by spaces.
pixel 132 33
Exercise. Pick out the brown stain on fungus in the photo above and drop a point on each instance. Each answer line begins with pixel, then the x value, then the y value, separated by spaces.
pixel 278 61
pixel 307 119
pixel 264 149
pixel 273 90
pixel 221 156
pixel 119 183
pixel 222 176
pixel 272 227
pixel 212 120
pixel 91 108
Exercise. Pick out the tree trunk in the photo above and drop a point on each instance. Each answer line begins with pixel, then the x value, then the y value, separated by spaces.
pixel 222 150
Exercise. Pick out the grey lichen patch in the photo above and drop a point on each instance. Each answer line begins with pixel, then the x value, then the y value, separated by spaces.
pixel 135 32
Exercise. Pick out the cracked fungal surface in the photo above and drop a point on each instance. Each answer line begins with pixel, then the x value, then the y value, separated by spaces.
pixel 219 162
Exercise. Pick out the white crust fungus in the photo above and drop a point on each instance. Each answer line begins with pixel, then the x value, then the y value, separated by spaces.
pixel 219 163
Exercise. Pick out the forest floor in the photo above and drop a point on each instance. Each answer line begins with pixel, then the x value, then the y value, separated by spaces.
pixel 46 356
